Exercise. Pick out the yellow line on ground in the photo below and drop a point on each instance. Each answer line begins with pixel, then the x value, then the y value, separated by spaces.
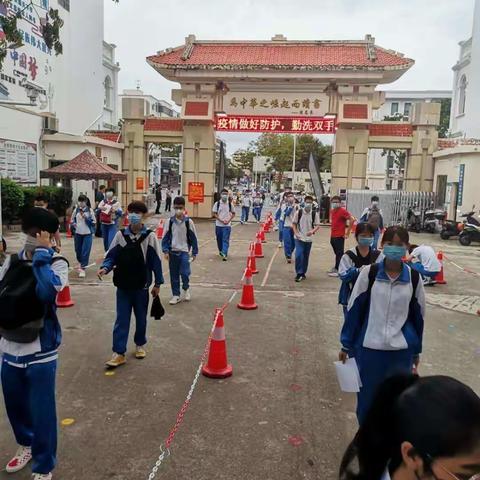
pixel 267 273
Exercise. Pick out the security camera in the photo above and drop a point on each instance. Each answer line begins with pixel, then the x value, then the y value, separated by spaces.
pixel 32 86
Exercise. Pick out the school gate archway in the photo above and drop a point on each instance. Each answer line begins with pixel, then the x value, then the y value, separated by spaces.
pixel 280 86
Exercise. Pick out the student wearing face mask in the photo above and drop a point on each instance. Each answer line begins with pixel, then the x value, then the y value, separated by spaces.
pixel 342 222
pixel 279 218
pixel 180 239
pixel 83 224
pixel 418 428
pixel 354 260
pixel 134 257
pixel 305 224
pixel 246 205
pixel 373 216
pixel 224 212
pixel 383 328
pixel 257 207
pixel 110 212
pixel 288 236
pixel 30 337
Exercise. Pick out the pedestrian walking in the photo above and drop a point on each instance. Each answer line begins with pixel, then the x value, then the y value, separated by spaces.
pixel 158 198
pixel 99 196
pixel 83 225
pixel 224 212
pixel 342 222
pixel 373 215
pixel 279 218
pixel 305 224
pixel 246 205
pixel 168 200
pixel 354 260
pixel 417 428
pixel 423 259
pixel 30 337
pixel 383 328
pixel 288 237
pixel 134 257
pixel 110 212
pixel 257 207
pixel 179 240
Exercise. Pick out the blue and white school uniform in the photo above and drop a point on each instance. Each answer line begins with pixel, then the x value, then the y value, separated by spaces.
pixel 29 369
pixel 279 216
pixel 222 231
pixel 426 262
pixel 246 204
pixel 378 231
pixel 84 228
pixel 178 242
pixel 109 227
pixel 383 329
pixel 257 208
pixel 303 243
pixel 288 236
pixel 134 299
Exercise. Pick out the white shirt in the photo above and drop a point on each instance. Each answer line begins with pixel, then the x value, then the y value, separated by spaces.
pixel 179 235
pixel 82 227
pixel 289 218
pixel 246 201
pixel 427 257
pixel 305 225
pixel 223 213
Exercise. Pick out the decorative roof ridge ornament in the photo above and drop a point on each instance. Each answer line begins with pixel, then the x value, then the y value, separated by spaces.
pixel 370 46
pixel 189 45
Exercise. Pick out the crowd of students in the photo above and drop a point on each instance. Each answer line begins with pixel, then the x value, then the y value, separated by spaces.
pixel 381 294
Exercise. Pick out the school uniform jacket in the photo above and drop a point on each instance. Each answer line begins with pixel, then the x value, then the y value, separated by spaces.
pixel 192 241
pixel 390 318
pixel 51 279
pixel 151 252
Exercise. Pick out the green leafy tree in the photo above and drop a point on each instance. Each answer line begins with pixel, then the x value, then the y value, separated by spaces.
pixel 445 108
pixel 243 158
pixel 50 27
pixel 12 199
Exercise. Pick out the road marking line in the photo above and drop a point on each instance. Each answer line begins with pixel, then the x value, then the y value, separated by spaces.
pixel 267 273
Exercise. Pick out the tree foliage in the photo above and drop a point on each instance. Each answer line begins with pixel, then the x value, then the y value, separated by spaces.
pixel 12 199
pixel 243 158
pixel 50 25
pixel 445 107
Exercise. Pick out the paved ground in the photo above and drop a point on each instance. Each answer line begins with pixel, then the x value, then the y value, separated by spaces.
pixel 281 416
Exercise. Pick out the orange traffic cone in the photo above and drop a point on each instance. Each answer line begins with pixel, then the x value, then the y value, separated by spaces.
pixel 248 295
pixel 251 262
pixel 258 247
pixel 217 365
pixel 64 299
pixel 126 223
pixel 261 233
pixel 69 228
pixel 159 231
pixel 440 279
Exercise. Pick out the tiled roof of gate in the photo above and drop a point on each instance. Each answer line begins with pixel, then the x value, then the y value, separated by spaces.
pixel 320 55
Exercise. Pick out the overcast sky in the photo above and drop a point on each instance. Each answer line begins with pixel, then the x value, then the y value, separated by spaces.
pixel 426 30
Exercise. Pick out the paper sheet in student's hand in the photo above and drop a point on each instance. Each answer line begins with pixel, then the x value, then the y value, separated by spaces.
pixel 348 375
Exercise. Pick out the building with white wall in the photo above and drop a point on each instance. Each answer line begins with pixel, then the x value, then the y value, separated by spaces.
pixel 68 90
pixel 111 67
pixel 150 105
pixel 386 170
pixel 457 162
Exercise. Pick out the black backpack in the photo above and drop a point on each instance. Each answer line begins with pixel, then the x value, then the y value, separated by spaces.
pixel 372 275
pixel 357 260
pixel 21 311
pixel 300 213
pixel 130 272
pixel 187 225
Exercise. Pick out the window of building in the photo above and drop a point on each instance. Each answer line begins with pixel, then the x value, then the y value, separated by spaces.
pixel 394 110
pixel 462 94
pixel 400 185
pixel 441 189
pixel 108 92
pixel 406 109
pixel 65 4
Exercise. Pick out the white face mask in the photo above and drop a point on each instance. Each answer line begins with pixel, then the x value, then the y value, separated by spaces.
pixel 179 212
pixel 109 195
pixel 82 204
pixel 29 243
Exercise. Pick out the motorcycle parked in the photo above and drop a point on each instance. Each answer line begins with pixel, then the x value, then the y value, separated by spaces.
pixel 471 229
pixel 450 228
pixel 414 219
pixel 433 219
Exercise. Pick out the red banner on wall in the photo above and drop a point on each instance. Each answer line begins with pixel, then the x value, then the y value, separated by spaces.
pixel 245 123
pixel 196 192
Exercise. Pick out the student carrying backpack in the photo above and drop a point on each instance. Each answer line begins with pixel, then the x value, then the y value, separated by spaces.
pixel 31 335
pixel 134 256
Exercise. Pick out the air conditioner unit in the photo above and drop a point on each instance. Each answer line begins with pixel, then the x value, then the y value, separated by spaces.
pixel 50 124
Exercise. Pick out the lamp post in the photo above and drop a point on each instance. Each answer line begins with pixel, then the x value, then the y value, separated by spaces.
pixel 294 160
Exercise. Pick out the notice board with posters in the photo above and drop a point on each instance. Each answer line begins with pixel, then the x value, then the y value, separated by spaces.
pixel 18 161
pixel 196 192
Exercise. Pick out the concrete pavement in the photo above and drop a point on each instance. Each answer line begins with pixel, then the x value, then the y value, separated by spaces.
pixel 280 416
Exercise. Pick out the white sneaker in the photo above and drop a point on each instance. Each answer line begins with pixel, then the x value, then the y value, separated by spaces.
pixel 20 460
pixel 42 476
pixel 175 299
pixel 333 273
pixel 280 245
pixel 82 273
pixel 186 295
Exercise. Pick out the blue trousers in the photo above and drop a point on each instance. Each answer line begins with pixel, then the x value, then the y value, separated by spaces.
pixel 179 263
pixel 223 239
pixel 245 213
pixel 108 232
pixel 83 247
pixel 257 213
pixel 126 301
pixel 421 270
pixel 288 241
pixel 302 255
pixel 375 366
pixel 29 395
pixel 376 238
pixel 280 231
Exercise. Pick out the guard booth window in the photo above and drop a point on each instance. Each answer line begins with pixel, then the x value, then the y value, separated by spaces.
pixel 441 189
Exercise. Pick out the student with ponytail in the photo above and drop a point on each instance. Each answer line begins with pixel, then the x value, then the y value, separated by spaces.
pixel 417 429
pixel 383 328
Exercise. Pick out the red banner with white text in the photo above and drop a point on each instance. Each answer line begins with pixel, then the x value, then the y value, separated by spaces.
pixel 257 124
